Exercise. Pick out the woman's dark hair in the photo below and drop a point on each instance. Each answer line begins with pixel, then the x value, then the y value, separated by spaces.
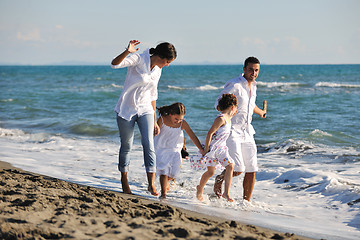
pixel 253 60
pixel 173 109
pixel 226 101
pixel 164 50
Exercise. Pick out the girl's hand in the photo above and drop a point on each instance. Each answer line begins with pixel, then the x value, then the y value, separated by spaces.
pixel 204 152
pixel 132 44
pixel 156 129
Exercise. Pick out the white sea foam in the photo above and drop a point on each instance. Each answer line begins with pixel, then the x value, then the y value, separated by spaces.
pixel 201 88
pixel 208 87
pixel 6 100
pixel 116 86
pixel 291 194
pixel 337 85
pixel 278 84
pixel 318 132
pixel 290 145
pixel 176 87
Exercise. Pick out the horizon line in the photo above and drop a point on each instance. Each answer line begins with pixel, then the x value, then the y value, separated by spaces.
pixel 173 64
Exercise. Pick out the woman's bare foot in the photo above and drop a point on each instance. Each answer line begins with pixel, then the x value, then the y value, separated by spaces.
pixel 126 188
pixel 162 197
pixel 125 183
pixel 152 190
pixel 127 192
pixel 228 198
pixel 199 193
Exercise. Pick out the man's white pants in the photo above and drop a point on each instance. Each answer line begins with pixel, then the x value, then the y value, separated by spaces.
pixel 244 154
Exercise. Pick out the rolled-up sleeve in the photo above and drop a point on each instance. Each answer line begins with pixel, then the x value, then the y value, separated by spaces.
pixel 131 60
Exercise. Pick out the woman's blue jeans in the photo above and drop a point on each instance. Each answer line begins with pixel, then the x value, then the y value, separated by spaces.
pixel 126 130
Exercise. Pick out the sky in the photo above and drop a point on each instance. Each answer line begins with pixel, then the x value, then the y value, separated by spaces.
pixel 45 32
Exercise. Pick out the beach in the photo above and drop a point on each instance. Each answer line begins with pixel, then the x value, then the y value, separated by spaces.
pixel 35 206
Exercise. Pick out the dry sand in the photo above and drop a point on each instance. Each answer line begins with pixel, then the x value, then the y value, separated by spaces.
pixel 33 206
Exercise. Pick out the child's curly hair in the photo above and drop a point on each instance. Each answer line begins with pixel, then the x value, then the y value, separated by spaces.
pixel 173 109
pixel 226 101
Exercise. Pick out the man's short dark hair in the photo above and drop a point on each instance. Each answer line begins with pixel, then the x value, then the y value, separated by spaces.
pixel 253 60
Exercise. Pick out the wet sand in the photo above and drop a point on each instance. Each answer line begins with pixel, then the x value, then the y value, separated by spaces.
pixel 34 206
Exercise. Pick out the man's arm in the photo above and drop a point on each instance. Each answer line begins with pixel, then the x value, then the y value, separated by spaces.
pixel 260 112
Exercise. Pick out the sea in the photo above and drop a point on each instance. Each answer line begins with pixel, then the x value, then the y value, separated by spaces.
pixel 59 121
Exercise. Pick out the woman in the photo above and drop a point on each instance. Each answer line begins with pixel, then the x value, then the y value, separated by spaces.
pixel 137 103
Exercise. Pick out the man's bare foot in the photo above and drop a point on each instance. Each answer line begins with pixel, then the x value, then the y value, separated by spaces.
pixel 152 190
pixel 171 182
pixel 228 198
pixel 199 193
pixel 162 197
pixel 218 185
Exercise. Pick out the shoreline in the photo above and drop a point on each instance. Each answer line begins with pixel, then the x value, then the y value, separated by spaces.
pixel 42 207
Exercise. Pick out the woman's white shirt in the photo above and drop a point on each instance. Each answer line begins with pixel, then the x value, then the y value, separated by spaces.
pixel 140 86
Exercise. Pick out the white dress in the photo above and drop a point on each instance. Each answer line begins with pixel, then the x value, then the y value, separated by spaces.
pixel 218 155
pixel 168 145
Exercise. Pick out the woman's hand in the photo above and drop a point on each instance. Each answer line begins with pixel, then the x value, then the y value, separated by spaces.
pixel 130 49
pixel 132 46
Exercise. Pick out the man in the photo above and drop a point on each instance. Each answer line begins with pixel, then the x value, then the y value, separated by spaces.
pixel 241 143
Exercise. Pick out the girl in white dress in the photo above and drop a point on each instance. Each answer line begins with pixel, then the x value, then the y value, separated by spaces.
pixel 216 151
pixel 169 142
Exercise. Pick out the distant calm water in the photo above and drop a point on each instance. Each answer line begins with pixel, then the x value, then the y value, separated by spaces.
pixel 309 144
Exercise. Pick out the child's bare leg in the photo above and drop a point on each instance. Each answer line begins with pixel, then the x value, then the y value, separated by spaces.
pixel 164 182
pixel 204 178
pixel 228 178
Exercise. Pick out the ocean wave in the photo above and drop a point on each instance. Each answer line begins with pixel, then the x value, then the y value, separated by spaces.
pixel 10 132
pixel 89 129
pixel 319 133
pixel 116 86
pixel 200 88
pixel 176 87
pixel 290 146
pixel 7 100
pixel 320 182
pixel 20 135
pixel 306 149
pixel 336 85
pixel 279 84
